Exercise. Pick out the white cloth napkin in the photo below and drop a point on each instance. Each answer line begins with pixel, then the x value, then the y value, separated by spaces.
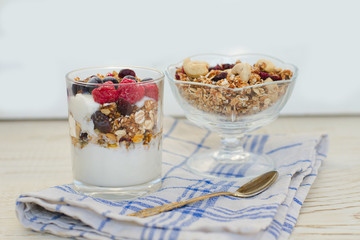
pixel 271 215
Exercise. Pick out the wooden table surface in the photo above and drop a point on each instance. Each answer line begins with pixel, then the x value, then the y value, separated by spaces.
pixel 36 155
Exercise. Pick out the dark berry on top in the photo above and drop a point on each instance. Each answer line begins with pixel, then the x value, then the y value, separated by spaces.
pixel 101 122
pixel 220 76
pixel 177 76
pixel 125 72
pixel 124 107
pixel 217 67
pixel 146 79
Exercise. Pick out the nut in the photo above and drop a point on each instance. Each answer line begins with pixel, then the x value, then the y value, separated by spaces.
pixel 243 70
pixel 268 80
pixel 148 124
pixel 78 129
pixel 195 68
pixel 105 111
pixel 149 105
pixel 111 136
pixel 139 117
pixel 265 65
pixel 120 133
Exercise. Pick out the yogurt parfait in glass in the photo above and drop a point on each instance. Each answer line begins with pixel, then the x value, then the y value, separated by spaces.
pixel 115 119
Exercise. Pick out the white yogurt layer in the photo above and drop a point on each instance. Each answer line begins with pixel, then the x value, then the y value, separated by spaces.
pixel 141 102
pixel 116 167
pixel 81 107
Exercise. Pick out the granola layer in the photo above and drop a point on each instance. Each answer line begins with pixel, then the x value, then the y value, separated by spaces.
pixel 231 89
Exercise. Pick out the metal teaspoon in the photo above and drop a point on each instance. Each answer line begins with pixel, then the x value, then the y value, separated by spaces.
pixel 249 189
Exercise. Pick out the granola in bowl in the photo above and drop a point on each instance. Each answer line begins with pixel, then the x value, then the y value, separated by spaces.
pixel 231 89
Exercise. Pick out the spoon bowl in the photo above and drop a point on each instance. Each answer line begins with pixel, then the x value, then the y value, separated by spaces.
pixel 257 185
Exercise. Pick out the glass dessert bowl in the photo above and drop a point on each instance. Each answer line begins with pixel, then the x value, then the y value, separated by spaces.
pixel 115 120
pixel 231 95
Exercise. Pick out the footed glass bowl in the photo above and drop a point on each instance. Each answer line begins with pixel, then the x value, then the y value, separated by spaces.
pixel 231 112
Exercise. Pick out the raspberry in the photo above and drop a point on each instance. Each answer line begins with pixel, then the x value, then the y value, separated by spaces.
pixel 131 92
pixel 106 93
pixel 152 91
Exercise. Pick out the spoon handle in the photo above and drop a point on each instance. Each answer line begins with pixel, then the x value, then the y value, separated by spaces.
pixel 169 206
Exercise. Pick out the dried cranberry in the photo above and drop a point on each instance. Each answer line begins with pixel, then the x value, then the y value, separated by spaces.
pixel 101 122
pixel 220 76
pixel 177 76
pixel 275 77
pixel 124 107
pixel 217 67
pixel 125 72
pixel 109 75
pixel 264 75
pixel 227 66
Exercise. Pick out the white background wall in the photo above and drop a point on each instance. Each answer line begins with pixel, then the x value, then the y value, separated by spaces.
pixel 41 40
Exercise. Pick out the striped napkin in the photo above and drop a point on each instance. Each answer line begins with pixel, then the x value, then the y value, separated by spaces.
pixel 271 215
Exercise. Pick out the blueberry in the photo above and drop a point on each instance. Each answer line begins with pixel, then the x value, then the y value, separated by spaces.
pixel 124 107
pixel 95 79
pixel 146 79
pixel 129 77
pixel 125 72
pixel 79 87
pixel 220 76
pixel 111 79
pixel 101 122
pixel 74 89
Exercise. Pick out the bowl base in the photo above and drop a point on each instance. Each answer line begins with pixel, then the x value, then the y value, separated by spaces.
pixel 117 193
pixel 243 165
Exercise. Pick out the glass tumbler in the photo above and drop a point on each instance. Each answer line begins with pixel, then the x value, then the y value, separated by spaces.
pixel 115 121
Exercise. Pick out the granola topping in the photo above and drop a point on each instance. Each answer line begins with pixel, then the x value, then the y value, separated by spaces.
pixel 232 97
pixel 117 118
